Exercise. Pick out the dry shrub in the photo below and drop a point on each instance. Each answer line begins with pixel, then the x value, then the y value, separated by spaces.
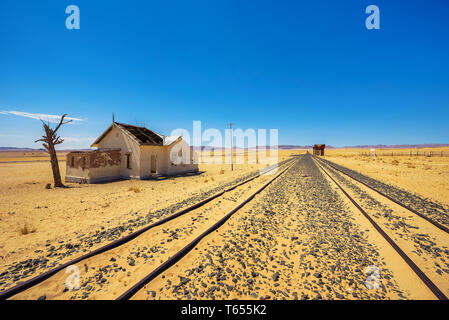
pixel 134 189
pixel 409 165
pixel 206 181
pixel 395 162
pixel 26 229
pixel 222 171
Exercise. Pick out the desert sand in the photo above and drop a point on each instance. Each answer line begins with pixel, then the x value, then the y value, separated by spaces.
pixel 427 176
pixel 32 216
pixel 299 239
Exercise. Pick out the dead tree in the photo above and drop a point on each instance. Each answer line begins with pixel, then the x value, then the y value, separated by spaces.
pixel 50 139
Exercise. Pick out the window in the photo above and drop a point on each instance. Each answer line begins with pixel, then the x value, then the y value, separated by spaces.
pixel 174 158
pixel 181 157
pixel 128 161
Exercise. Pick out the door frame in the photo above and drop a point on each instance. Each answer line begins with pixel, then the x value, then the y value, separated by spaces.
pixel 153 169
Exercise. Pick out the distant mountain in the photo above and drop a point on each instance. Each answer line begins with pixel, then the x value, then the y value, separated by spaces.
pixel 12 149
pixel 397 146
pixel 281 147
pixel 290 146
pixel 20 149
pixel 377 146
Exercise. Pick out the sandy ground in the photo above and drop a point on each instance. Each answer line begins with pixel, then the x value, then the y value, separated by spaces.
pixel 297 240
pixel 427 176
pixel 263 252
pixel 108 275
pixel 424 243
pixel 31 216
pixel 27 156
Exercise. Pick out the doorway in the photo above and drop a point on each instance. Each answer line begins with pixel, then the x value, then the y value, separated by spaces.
pixel 153 165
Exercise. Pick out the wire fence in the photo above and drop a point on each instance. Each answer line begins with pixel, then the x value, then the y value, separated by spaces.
pixel 406 154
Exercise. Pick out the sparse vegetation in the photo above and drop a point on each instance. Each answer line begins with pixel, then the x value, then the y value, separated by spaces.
pixel 409 165
pixel 134 189
pixel 26 229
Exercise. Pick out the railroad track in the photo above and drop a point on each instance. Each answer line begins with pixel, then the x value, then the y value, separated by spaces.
pixel 425 278
pixel 48 275
pixel 435 223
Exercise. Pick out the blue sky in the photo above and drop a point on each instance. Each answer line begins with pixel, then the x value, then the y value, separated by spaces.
pixel 310 69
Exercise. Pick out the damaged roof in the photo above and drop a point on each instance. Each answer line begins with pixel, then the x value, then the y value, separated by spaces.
pixel 141 135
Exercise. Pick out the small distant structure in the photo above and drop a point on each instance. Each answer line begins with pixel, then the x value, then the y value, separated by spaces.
pixel 318 149
pixel 130 152
pixel 372 154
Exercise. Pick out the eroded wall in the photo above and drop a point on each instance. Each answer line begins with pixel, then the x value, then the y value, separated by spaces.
pixel 93 166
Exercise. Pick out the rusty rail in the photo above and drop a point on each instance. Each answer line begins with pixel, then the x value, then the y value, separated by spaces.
pixel 44 276
pixel 435 223
pixel 429 283
pixel 181 253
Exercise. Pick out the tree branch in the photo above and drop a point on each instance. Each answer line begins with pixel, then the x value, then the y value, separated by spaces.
pixel 61 123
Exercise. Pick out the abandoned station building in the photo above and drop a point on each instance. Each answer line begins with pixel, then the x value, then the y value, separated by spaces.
pixel 318 149
pixel 130 152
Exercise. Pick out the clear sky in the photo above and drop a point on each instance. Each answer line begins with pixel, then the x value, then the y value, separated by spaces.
pixel 308 68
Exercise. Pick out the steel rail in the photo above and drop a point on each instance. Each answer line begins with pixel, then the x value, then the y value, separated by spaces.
pixel 181 253
pixel 435 223
pixel 8 293
pixel 429 283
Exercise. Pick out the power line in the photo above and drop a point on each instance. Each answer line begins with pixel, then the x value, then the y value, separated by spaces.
pixel 232 153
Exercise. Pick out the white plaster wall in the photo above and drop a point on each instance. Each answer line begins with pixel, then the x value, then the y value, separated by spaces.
pixel 145 160
pixel 180 168
pixel 76 174
pixel 104 173
pixel 116 138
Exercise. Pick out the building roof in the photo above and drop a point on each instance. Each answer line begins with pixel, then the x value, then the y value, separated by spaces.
pixel 141 135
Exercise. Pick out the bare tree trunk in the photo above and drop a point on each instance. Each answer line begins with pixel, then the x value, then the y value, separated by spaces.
pixel 55 167
pixel 49 141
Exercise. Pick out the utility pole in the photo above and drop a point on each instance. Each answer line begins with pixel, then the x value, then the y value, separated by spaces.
pixel 232 152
